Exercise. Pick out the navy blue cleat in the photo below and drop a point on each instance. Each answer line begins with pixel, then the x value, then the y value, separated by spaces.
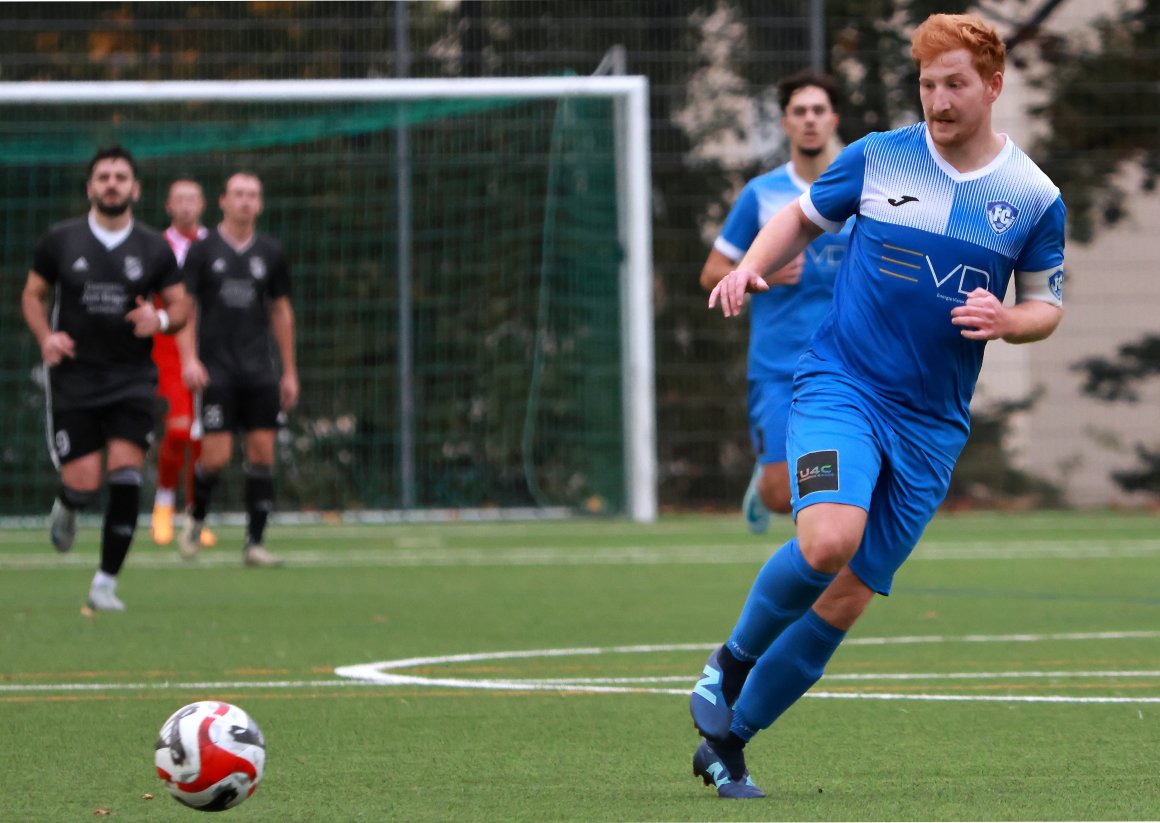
pixel 728 773
pixel 711 714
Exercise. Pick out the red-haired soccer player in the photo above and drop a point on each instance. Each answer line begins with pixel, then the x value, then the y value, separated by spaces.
pixel 181 444
pixel 947 210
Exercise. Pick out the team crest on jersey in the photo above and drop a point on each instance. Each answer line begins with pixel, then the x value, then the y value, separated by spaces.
pixel 219 266
pixel 257 267
pixel 1055 283
pixel 133 268
pixel 1001 215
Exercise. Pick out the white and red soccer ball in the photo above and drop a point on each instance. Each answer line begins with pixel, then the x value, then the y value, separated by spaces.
pixel 210 755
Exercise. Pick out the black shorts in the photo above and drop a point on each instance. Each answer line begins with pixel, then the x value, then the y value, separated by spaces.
pixel 80 432
pixel 225 408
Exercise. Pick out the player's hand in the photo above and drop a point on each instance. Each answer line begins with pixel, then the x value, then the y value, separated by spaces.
pixel 194 375
pixel 56 347
pixel 144 319
pixel 983 317
pixel 288 391
pixel 730 292
pixel 789 274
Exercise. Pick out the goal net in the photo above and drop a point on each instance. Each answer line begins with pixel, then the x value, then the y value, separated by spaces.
pixel 471 270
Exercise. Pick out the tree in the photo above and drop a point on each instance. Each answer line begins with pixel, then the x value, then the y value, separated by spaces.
pixel 1101 110
pixel 1117 379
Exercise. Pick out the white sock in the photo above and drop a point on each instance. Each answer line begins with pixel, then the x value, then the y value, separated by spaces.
pixel 104 581
pixel 165 497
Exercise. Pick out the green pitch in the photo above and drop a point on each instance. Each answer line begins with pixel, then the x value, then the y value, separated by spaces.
pixel 540 671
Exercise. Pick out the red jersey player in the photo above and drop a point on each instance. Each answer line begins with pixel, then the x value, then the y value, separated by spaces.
pixel 184 204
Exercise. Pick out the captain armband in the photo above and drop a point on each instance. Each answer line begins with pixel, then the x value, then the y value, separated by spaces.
pixel 1045 286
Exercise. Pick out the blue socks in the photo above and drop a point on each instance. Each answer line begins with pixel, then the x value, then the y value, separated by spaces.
pixel 784 589
pixel 785 672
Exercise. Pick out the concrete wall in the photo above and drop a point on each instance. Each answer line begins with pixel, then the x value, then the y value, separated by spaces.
pixel 1112 296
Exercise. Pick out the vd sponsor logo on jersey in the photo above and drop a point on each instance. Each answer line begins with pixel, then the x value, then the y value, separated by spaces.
pixel 817 472
pixel 1001 215
pixel 908 264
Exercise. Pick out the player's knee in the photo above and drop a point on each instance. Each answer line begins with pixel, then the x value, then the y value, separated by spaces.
pixel 827 550
pixel 177 430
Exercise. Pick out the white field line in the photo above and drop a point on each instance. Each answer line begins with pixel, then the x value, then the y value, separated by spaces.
pixel 384 674
pixel 388 556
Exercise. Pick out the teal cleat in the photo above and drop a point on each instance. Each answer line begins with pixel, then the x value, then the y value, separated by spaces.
pixel 727 773
pixel 756 514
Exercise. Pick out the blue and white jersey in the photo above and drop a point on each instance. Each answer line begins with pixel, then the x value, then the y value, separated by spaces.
pixel 926 235
pixel 783 319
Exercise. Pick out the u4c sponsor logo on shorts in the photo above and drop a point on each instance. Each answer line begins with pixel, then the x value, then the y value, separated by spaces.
pixel 817 472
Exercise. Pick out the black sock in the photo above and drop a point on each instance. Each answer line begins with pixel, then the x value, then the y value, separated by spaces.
pixel 74 500
pixel 733 674
pixel 120 518
pixel 203 483
pixel 259 502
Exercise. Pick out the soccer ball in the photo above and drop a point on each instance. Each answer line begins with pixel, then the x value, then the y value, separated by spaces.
pixel 210 755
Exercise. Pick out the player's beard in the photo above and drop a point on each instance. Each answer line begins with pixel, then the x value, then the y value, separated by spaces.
pixel 112 209
pixel 812 151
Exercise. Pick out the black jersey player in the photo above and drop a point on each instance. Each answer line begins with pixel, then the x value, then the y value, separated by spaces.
pixel 240 356
pixel 99 272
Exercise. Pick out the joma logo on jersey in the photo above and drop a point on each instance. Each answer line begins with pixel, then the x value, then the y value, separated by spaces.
pixel 1001 215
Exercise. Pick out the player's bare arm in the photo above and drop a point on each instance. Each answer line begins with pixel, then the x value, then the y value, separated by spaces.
pixel 54 345
pixel 718 266
pixel 147 320
pixel 983 317
pixel 282 327
pixel 193 372
pixel 783 238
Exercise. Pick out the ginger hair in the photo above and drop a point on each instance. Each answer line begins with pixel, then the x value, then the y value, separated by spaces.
pixel 941 33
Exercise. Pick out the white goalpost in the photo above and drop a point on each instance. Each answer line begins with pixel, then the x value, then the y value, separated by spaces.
pixel 629 96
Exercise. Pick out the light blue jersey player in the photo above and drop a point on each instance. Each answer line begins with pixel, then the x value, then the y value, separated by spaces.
pixel 783 319
pixel 946 212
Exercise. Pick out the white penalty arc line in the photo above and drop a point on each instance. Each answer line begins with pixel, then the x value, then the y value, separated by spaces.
pixel 385 673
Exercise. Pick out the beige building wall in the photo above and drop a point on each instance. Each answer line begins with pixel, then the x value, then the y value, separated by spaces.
pixel 1111 297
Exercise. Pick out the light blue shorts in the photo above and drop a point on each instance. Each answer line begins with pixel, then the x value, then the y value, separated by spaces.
pixel 769 400
pixel 842 449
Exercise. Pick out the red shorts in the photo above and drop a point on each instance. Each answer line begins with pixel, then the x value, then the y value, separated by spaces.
pixel 169 384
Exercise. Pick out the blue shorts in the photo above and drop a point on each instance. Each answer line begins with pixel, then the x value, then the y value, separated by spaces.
pixel 842 449
pixel 769 400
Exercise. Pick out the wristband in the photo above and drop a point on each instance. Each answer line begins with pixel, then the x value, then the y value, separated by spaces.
pixel 163 320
